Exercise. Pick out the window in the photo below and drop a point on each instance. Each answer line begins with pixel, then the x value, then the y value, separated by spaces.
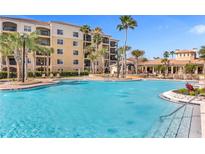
pixel 75 62
pixel 75 43
pixel 59 61
pixel 75 34
pixel 27 28
pixel 60 41
pixel 75 52
pixel 59 31
pixel 60 51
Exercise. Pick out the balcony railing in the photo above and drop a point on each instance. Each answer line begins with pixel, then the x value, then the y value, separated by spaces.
pixel 43 32
pixel 105 40
pixel 113 44
pixel 8 28
pixel 87 38
pixel 12 62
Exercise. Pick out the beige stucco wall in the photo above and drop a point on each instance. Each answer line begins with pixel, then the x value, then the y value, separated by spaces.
pixel 67 55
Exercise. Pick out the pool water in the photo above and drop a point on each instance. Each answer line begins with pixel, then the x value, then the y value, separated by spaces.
pixel 85 109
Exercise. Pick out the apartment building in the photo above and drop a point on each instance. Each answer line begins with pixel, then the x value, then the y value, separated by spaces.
pixel 67 41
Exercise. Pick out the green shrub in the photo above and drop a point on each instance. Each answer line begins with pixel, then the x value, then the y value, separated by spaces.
pixel 3 75
pixel 183 91
pixel 192 93
pixel 72 73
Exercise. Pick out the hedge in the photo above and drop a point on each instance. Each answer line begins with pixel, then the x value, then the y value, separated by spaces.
pixel 62 74
pixel 3 75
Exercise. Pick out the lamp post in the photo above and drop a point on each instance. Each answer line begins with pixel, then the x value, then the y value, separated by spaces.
pixel 24 53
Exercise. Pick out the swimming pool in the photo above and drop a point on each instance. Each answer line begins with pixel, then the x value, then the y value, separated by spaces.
pixel 85 109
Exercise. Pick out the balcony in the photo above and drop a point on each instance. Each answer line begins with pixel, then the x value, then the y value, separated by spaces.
pixel 9 26
pixel 105 40
pixel 12 61
pixel 41 61
pixel 87 38
pixel 113 51
pixel 44 42
pixel 113 44
pixel 43 31
pixel 113 57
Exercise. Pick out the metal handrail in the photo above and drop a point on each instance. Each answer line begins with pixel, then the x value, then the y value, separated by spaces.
pixel 167 115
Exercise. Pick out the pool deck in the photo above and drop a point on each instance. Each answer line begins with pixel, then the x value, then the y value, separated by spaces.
pixel 29 84
pixel 179 98
pixel 12 85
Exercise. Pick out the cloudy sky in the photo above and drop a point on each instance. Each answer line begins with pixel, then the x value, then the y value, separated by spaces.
pixel 154 34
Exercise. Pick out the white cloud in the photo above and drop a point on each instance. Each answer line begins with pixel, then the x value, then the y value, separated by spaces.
pixel 198 29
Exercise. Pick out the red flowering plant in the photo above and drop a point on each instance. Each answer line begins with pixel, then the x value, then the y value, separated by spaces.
pixel 189 87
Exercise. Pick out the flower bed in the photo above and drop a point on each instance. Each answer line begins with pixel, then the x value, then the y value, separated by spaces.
pixel 190 90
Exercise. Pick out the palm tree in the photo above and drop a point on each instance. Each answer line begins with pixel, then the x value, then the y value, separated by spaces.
pixel 102 54
pixel 121 52
pixel 97 37
pixel 46 51
pixel 166 54
pixel 127 22
pixel 85 29
pixel 172 53
pixel 12 43
pixel 93 57
pixel 165 61
pixel 5 51
pixel 202 55
pixel 190 68
pixel 137 53
pixel 91 50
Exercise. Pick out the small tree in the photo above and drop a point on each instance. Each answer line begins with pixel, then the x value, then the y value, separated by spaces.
pixel 172 53
pixel 202 55
pixel 102 54
pixel 190 68
pixel 137 53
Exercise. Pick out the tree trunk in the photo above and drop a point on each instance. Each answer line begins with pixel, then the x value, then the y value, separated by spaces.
pixel 47 62
pixel 204 68
pixel 125 56
pixel 103 66
pixel 18 71
pixel 7 67
pixel 136 65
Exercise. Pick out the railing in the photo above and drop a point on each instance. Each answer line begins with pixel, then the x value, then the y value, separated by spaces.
pixel 170 114
pixel 13 29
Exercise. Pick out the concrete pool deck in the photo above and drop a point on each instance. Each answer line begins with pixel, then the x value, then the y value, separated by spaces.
pixel 180 98
pixel 29 84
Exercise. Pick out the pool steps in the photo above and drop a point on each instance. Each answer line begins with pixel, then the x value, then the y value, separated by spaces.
pixel 178 125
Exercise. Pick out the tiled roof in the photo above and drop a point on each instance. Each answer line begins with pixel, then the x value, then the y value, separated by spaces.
pixel 64 23
pixel 172 62
pixel 185 51
pixel 25 20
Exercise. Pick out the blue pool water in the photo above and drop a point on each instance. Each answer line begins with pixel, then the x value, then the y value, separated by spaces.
pixel 85 109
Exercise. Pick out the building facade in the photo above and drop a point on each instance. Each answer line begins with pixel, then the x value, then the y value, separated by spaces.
pixel 176 65
pixel 66 39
